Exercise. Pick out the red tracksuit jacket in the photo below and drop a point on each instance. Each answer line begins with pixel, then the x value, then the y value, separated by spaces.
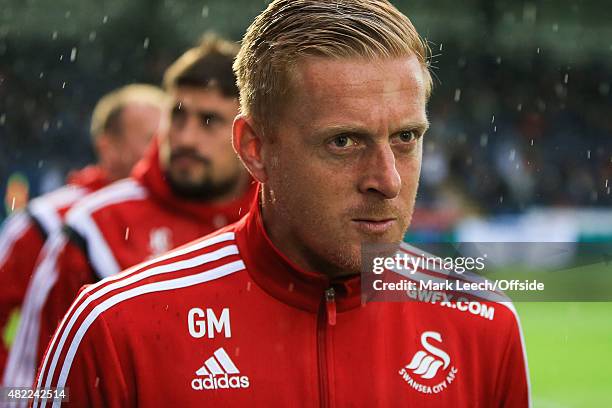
pixel 117 227
pixel 228 321
pixel 25 232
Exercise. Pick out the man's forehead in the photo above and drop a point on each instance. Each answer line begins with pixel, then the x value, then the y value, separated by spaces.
pixel 326 76
pixel 340 90
pixel 192 94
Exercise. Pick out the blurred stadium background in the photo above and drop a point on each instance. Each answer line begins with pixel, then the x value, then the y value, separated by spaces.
pixel 520 147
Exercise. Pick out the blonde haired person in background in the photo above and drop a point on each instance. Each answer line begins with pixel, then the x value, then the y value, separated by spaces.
pixel 122 125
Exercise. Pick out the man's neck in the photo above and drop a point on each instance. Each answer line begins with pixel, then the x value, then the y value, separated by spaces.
pixel 112 173
pixel 239 189
pixel 285 241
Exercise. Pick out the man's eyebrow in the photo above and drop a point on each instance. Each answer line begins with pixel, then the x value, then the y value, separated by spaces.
pixel 208 113
pixel 420 126
pixel 332 130
pixel 203 112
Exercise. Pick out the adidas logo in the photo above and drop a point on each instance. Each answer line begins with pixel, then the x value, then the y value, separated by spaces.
pixel 219 372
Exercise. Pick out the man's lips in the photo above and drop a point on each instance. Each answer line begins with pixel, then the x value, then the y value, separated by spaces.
pixel 374 225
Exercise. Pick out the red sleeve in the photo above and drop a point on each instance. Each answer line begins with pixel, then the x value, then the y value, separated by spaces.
pixel 72 271
pixel 513 388
pixel 94 377
pixel 20 242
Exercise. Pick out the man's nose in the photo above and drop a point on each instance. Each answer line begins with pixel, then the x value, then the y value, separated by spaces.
pixel 379 173
pixel 187 132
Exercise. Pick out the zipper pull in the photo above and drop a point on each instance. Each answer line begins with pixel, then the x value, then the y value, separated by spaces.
pixel 330 305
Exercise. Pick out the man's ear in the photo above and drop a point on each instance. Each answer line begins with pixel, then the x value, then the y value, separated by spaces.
pixel 104 148
pixel 248 144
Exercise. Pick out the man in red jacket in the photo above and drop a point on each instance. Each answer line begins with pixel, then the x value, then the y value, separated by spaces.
pixel 122 125
pixel 189 184
pixel 269 311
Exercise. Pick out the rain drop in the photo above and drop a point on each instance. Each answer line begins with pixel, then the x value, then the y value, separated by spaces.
pixel 519 107
pixel 145 43
pixel 40 164
pixel 588 154
pixel 92 36
pixel 555 27
pixel 63 85
pixel 126 236
pixel 532 142
pixel 42 74
pixel 45 125
pixel 204 11
pixel 493 119
pixel 73 54
pixel 512 155
pixel 54 35
pixel 457 95
pixel 67 14
pixel 484 140
pixel 3 119
pixel 566 78
pixel 105 20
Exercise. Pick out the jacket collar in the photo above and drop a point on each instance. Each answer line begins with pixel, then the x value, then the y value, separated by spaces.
pixel 91 177
pixel 149 173
pixel 280 277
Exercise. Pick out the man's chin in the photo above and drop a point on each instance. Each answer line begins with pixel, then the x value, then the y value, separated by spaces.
pixel 189 186
pixel 185 185
pixel 344 259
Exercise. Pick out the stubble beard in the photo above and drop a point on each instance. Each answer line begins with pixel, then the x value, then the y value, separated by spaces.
pixel 205 189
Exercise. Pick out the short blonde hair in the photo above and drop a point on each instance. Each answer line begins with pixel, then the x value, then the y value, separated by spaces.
pixel 106 116
pixel 289 30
